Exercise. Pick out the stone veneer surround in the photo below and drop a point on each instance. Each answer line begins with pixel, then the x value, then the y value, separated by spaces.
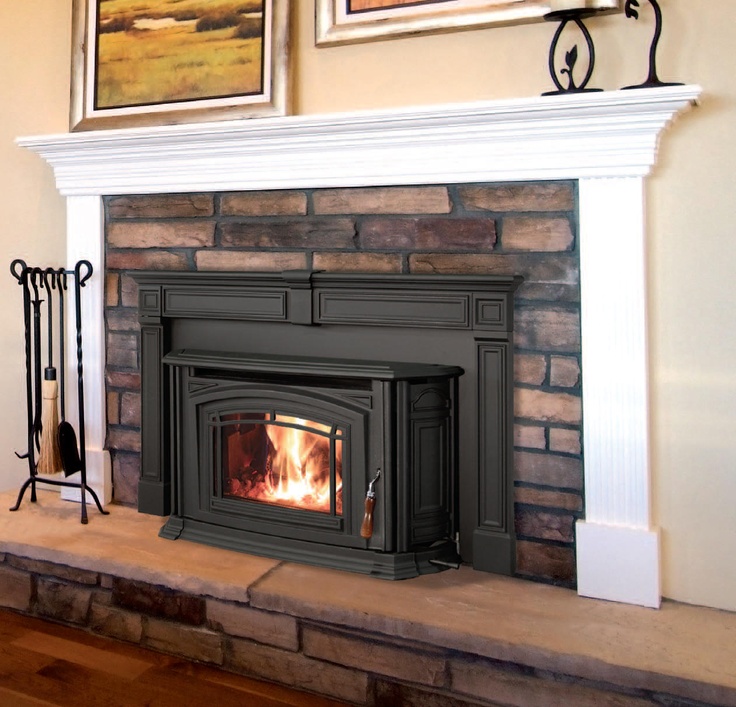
pixel 607 140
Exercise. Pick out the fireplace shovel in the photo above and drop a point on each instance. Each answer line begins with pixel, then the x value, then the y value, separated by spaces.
pixel 70 460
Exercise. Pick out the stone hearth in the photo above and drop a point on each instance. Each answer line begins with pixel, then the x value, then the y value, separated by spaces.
pixel 459 638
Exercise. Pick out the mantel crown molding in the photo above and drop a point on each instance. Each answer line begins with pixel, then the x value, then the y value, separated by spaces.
pixel 606 134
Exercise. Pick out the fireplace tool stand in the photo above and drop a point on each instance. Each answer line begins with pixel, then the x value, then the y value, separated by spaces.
pixel 39 287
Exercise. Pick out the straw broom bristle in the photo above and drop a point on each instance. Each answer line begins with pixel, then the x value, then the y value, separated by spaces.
pixel 49 456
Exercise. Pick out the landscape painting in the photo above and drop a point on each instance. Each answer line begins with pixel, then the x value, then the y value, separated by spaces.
pixel 143 62
pixel 344 21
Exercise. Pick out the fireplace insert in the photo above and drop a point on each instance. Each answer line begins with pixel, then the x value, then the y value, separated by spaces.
pixel 360 421
pixel 347 464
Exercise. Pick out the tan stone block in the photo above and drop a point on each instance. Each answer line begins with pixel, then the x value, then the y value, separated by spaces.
pixel 122 350
pixel 249 261
pixel 380 658
pixel 298 670
pixel 540 405
pixel 120 439
pixel 393 694
pixel 245 622
pixel 128 291
pixel 548 470
pixel 511 687
pixel 547 329
pixel 564 372
pixel 62 601
pixel 146 260
pixel 529 437
pixel 357 262
pixel 537 235
pixel 15 589
pixel 433 234
pixel 382 200
pixel 113 408
pixel 540 196
pixel 52 569
pixel 264 203
pixel 126 472
pixel 155 234
pixel 190 642
pixel 530 369
pixel 119 319
pixel 161 206
pixel 546 561
pixel 116 623
pixel 112 290
pixel 548 498
pixel 567 441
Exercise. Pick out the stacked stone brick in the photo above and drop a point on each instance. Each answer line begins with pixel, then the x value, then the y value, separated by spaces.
pixel 522 229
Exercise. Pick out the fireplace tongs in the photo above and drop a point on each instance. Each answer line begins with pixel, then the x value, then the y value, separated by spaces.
pixel 366 529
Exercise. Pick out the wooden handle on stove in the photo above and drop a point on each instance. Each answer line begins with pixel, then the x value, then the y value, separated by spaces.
pixel 366 529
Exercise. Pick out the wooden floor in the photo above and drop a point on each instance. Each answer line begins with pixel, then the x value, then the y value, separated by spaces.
pixel 42 663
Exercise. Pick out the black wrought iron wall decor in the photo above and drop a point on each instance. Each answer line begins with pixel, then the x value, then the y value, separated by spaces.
pixel 565 17
pixel 631 11
pixel 52 440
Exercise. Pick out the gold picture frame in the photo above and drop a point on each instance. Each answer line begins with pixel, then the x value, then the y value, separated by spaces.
pixel 161 62
pixel 348 21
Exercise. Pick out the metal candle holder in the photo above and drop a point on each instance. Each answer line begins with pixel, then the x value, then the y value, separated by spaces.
pixel 652 80
pixel 564 17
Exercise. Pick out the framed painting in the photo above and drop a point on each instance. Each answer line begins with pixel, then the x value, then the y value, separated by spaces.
pixel 345 21
pixel 157 62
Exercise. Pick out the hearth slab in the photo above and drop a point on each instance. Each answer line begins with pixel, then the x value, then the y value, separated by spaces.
pixel 680 650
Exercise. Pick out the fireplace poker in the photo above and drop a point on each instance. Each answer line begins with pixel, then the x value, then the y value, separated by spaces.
pixel 366 529
pixel 49 457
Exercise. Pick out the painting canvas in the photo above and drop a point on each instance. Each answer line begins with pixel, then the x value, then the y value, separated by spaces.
pixel 344 21
pixel 143 62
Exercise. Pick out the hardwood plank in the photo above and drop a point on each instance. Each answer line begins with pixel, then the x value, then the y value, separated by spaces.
pixel 18 699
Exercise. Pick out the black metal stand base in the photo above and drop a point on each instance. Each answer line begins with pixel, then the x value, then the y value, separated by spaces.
pixel 84 489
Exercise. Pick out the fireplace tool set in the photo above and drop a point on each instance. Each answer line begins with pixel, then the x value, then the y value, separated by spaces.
pixel 52 441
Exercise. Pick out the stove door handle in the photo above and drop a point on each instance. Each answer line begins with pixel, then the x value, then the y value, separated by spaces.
pixel 366 529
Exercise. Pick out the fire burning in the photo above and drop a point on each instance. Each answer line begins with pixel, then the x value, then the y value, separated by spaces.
pixel 283 460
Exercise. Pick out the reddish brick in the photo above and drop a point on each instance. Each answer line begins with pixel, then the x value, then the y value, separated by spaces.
pixel 228 260
pixel 393 661
pixel 357 262
pixel 161 206
pixel 567 441
pixel 534 404
pixel 304 233
pixel 548 470
pixel 155 234
pixel 564 372
pixel 296 669
pixel 158 601
pixel 529 437
pixel 15 589
pixel 146 260
pixel 243 621
pixel 530 369
pixel 121 439
pixel 537 235
pixel 383 200
pixel 130 409
pixel 547 329
pixel 541 196
pixel 547 561
pixel 534 523
pixel 120 379
pixel 264 203
pixel 435 234
pixel 122 350
pixel 126 471
pixel 191 642
pixel 128 291
pixel 61 601
pixel 548 498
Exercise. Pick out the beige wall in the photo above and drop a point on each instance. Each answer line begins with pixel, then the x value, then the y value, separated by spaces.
pixel 692 256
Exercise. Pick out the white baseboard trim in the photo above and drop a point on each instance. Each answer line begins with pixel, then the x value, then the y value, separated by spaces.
pixel 618 563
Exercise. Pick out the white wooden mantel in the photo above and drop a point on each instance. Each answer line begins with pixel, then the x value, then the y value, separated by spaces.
pixel 608 141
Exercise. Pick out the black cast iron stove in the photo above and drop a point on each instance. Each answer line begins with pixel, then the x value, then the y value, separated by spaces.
pixel 353 421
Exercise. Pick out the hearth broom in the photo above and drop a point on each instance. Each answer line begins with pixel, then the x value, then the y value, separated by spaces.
pixel 49 458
